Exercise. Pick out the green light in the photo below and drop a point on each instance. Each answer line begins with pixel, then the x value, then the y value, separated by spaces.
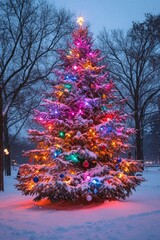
pixel 104 108
pixel 73 158
pixel 62 134
pixel 68 86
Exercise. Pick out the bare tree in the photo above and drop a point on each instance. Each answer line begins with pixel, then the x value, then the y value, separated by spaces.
pixel 30 34
pixel 1 144
pixel 134 63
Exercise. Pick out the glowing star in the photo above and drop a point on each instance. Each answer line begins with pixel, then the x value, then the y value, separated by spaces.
pixel 80 21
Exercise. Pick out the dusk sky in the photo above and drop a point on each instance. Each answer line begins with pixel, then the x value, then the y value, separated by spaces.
pixel 112 14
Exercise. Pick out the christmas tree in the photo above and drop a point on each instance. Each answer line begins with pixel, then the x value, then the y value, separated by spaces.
pixel 84 133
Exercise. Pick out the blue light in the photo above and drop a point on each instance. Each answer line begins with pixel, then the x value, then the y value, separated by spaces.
pixel 96 183
pixel 57 152
pixel 70 77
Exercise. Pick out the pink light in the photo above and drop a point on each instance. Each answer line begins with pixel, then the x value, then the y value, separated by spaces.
pixel 88 177
pixel 80 111
pixel 40 118
pixel 72 113
pixel 75 67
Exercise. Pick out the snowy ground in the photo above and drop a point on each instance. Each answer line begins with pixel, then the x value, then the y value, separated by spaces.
pixel 137 218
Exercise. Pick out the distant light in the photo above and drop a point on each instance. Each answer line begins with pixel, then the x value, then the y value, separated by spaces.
pixel 6 151
pixel 80 21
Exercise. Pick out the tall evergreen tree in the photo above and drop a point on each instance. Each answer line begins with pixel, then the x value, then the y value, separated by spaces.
pixel 78 154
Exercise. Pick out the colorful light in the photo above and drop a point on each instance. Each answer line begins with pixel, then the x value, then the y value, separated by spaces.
pixel 75 67
pixel 104 108
pixel 62 134
pixel 57 152
pixel 73 157
pixel 96 182
pixel 68 86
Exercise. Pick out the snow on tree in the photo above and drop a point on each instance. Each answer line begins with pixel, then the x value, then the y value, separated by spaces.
pixel 84 133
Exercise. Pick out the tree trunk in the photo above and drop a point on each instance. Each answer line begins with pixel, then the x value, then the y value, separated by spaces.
pixel 139 140
pixel 7 158
pixel 1 144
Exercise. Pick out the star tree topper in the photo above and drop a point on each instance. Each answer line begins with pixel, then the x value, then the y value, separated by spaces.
pixel 80 21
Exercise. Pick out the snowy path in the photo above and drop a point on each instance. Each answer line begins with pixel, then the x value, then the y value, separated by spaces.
pixel 136 218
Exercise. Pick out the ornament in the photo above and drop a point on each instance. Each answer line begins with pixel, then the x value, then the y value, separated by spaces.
pixel 86 163
pixel 117 166
pixel 95 190
pixel 78 134
pixel 109 129
pixel 35 179
pixel 103 147
pixel 61 175
pixel 119 160
pixel 89 198
pixel 96 183
pixel 62 134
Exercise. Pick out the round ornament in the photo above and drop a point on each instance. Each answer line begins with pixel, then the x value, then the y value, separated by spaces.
pixel 89 198
pixel 86 163
pixel 117 166
pixel 119 160
pixel 61 175
pixel 95 191
pixel 35 179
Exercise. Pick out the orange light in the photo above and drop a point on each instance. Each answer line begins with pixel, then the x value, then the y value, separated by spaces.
pixel 104 96
pixel 67 180
pixel 120 175
pixel 68 135
pixel 72 171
